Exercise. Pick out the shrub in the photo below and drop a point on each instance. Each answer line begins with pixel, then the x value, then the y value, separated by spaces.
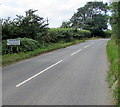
pixel 84 34
pixel 25 45
pixel 108 33
pixel 66 34
pixel 0 48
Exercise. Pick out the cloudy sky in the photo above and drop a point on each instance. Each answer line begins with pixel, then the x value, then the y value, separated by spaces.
pixel 57 11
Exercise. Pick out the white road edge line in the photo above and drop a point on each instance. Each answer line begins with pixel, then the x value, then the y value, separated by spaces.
pixel 86 46
pixel 18 85
pixel 76 52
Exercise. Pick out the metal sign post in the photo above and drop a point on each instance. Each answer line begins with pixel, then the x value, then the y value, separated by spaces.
pixel 11 42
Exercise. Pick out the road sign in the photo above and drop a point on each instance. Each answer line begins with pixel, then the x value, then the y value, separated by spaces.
pixel 13 42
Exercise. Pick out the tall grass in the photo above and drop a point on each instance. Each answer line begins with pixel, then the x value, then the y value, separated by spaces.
pixel 114 74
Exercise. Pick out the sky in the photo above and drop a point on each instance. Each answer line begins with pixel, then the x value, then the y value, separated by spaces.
pixel 56 11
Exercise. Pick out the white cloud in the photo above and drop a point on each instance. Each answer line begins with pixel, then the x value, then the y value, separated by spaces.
pixel 8 11
pixel 56 10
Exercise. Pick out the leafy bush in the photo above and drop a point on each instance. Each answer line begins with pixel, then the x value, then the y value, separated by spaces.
pixel 25 45
pixel 55 35
pixel 84 33
pixel 66 34
pixel 108 33
pixel 0 48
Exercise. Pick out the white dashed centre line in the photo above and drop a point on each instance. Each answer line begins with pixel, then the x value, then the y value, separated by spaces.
pixel 86 46
pixel 79 50
pixel 76 52
pixel 18 85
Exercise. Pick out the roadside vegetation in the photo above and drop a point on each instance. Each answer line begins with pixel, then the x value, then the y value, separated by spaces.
pixel 113 52
pixel 89 22
pixel 8 59
pixel 36 37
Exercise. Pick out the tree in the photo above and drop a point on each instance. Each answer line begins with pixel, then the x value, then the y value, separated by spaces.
pixel 7 28
pixel 32 24
pixel 115 21
pixel 93 17
pixel 28 26
pixel 65 24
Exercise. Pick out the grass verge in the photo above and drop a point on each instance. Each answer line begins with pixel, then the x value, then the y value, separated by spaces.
pixel 113 74
pixel 13 58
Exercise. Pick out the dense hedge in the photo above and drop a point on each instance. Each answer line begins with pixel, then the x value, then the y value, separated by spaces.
pixel 66 34
pixel 25 45
pixel 0 48
pixel 84 34
pixel 108 33
pixel 55 35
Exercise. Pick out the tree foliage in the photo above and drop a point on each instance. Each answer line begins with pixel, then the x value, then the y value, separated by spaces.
pixel 21 26
pixel 93 17
pixel 65 24
pixel 115 20
pixel 55 35
pixel 67 34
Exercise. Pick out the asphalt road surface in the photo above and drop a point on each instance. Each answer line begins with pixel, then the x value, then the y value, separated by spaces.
pixel 75 75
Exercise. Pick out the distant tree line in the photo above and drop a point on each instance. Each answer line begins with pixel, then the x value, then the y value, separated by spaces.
pixel 93 16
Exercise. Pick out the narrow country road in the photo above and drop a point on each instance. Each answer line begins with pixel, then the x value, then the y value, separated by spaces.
pixel 75 75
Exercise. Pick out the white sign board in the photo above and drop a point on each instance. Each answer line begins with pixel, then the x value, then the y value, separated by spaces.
pixel 13 42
